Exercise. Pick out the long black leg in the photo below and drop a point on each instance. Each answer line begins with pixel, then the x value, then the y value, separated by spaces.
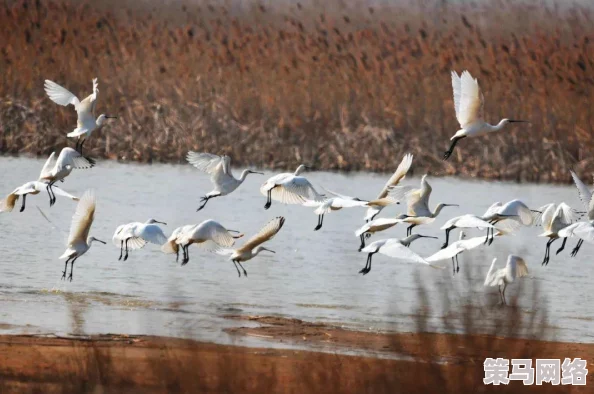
pixel 548 252
pixel 126 243
pixel 121 249
pixel 72 269
pixel 320 221
pixel 237 268
pixel 177 254
pixel 23 206
pixel 362 236
pixel 457 264
pixel 453 266
pixel 65 268
pixel 81 146
pixel 244 271
pixel 49 193
pixel 449 152
pixel 367 267
pixel 409 229
pixel 577 248
pixel 268 199
pixel 487 239
pixel 186 254
pixel 445 245
pixel 562 246
pixel 204 200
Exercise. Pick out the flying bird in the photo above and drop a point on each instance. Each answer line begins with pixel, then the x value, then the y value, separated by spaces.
pixel 515 268
pixel 135 235
pixel 466 221
pixel 396 248
pixel 209 235
pixel 253 247
pixel 290 188
pixel 555 218
pixel 377 225
pixel 172 246
pixel 34 187
pixel 85 109
pixel 79 241
pixel 455 249
pixel 55 170
pixel 469 104
pixel 219 168
pixel 417 201
pixel 394 180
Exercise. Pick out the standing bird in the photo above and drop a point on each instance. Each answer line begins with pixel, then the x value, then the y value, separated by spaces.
pixel 219 168
pixel 555 218
pixel 469 104
pixel 377 225
pixel 208 235
pixel 252 247
pixel 79 241
pixel 290 188
pixel 135 235
pixel 417 201
pixel 85 109
pixel 396 248
pixel 515 268
pixel 394 180
pixel 466 221
pixel 455 249
pixel 34 187
pixel 171 246
pixel 56 170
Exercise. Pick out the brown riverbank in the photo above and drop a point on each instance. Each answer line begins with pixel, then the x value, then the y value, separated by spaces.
pixel 115 364
pixel 271 86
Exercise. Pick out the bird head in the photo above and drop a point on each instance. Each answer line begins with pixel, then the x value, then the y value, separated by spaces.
pixel 91 239
pixel 153 221
pixel 102 119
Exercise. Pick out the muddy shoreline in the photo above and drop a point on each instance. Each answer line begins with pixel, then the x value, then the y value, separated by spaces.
pixel 415 362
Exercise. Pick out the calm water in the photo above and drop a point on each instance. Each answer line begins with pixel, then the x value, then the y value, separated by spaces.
pixel 313 275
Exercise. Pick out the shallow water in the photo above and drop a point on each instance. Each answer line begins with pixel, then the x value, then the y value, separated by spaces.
pixel 313 275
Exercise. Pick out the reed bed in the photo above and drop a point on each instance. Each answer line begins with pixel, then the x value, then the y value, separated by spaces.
pixel 339 86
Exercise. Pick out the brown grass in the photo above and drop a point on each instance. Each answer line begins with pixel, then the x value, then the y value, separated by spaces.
pixel 339 87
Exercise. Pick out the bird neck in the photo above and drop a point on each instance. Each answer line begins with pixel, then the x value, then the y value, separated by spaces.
pixel 498 126
pixel 437 210
pixel 407 241
pixel 244 175
pixel 256 251
pixel 299 170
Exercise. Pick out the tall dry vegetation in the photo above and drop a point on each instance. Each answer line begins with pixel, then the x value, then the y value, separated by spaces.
pixel 338 87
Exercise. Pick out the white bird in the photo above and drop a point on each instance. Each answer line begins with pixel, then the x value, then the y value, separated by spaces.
pixel 172 246
pixel 469 104
pixel 394 180
pixel 455 249
pixel 377 225
pixel 79 241
pixel 581 230
pixel 290 189
pixel 55 170
pixel 85 109
pixel 515 268
pixel 34 187
pixel 417 201
pixel 465 221
pixel 396 248
pixel 219 168
pixel 208 235
pixel 136 234
pixel 554 218
pixel 339 201
pixel 253 247
pixel 511 215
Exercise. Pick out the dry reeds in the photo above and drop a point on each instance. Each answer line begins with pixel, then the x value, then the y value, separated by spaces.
pixel 339 87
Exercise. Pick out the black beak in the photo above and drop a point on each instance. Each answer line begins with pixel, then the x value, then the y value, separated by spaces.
pixel 517 121
pixel 256 172
pixel 451 205
pixel 161 222
pixel 98 240
pixel 427 236
pixel 110 117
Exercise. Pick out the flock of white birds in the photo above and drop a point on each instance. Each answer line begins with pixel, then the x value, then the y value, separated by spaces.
pixel 558 221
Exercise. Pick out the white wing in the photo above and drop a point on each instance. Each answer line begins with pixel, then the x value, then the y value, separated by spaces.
pixel 60 95
pixel 296 190
pixel 62 193
pixel 491 274
pixel 471 221
pixel 494 208
pixel 73 158
pixel 548 212
pixel 584 192
pixel 399 193
pixel 581 230
pixel 398 175
pixel 48 166
pixel 116 239
pixel 153 234
pixel 83 218
pixel 401 252
pixel 470 107
pixel 267 232
pixel 205 162
pixel 568 214
pixel 456 248
pixel 457 89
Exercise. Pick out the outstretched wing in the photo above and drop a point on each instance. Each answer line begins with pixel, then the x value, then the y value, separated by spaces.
pixel 401 252
pixel 266 233
pixel 73 158
pixel 470 105
pixel 62 193
pixel 471 221
pixel 398 175
pixel 205 162
pixel 491 274
pixel 60 95
pixel 584 192
pixel 82 219
pixel 47 167
pixel 153 234
pixel 568 214
pixel 455 248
